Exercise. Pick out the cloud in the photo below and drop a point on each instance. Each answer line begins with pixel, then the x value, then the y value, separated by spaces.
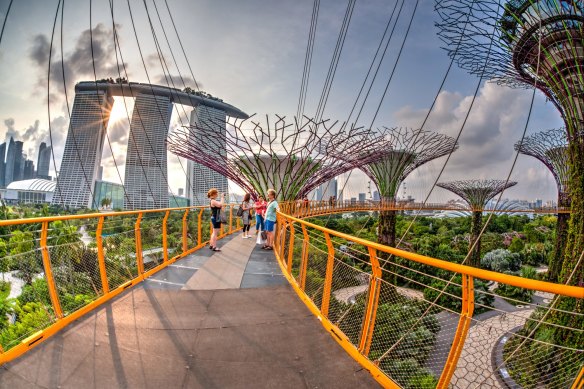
pixel 93 56
pixel 10 131
pixel 177 81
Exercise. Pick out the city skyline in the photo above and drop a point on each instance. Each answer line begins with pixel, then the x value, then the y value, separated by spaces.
pixel 266 79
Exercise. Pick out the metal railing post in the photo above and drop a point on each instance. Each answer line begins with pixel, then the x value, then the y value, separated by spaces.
pixel 165 236
pixel 200 228
pixel 461 331
pixel 328 278
pixel 290 247
pixel 101 256
pixel 304 261
pixel 579 381
pixel 230 220
pixel 185 227
pixel 372 303
pixel 138 239
pixel 48 272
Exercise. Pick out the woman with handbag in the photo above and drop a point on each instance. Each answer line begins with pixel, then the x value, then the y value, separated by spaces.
pixel 216 206
pixel 245 215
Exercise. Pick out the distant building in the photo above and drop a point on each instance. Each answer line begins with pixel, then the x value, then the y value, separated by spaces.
pixel 146 179
pixel 100 173
pixel 327 190
pixel 200 178
pixel 44 161
pixel 2 164
pixel 178 201
pixel 35 191
pixel 362 197
pixel 14 162
pixel 181 191
pixel 28 172
pixel 83 149
pixel 376 196
pixel 108 190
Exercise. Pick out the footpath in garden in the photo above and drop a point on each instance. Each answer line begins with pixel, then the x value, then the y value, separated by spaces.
pixel 211 320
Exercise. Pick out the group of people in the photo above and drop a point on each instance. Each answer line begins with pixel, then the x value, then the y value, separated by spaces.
pixel 265 213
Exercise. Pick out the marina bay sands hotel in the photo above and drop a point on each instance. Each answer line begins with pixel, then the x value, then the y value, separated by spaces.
pixel 146 175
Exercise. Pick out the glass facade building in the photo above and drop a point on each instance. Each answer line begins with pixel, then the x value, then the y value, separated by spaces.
pixel 109 190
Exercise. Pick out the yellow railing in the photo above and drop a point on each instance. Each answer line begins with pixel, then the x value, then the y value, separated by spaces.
pixel 412 320
pixel 72 264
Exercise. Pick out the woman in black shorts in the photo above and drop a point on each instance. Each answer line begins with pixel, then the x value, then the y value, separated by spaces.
pixel 215 218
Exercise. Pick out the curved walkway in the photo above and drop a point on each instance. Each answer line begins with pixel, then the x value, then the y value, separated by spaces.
pixel 172 331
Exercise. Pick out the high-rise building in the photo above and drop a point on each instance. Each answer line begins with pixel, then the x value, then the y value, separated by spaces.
pixel 44 161
pixel 83 148
pixel 14 162
pixel 2 164
pixel 146 179
pixel 362 197
pixel 326 190
pixel 28 170
pixel 200 178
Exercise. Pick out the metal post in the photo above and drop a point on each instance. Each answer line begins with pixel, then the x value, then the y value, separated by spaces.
pixel 328 278
pixel 185 241
pixel 48 272
pixel 291 247
pixel 138 239
pixel 230 219
pixel 461 331
pixel 100 256
pixel 372 303
pixel 304 263
pixel 200 228
pixel 165 236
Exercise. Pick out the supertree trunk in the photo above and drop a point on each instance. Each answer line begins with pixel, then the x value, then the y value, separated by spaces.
pixel 386 228
pixel 475 236
pixel 557 260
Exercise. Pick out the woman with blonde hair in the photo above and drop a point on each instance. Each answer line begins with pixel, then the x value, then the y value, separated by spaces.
pixel 270 221
pixel 216 206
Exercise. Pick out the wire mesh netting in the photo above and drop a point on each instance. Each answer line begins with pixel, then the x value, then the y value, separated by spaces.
pixel 119 246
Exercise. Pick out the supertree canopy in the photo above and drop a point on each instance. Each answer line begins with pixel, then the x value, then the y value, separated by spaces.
pixel 550 148
pixel 290 157
pixel 401 151
pixel 477 193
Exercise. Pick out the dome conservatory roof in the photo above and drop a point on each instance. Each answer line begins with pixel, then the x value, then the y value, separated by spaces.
pixel 36 184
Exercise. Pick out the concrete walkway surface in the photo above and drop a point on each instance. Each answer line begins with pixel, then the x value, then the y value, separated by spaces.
pixel 165 334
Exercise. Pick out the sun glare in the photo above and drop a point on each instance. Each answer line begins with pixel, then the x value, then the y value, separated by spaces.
pixel 118 111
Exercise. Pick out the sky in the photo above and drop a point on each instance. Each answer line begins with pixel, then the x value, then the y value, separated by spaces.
pixel 251 54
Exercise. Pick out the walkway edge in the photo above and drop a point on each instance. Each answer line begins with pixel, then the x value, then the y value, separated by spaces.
pixel 337 334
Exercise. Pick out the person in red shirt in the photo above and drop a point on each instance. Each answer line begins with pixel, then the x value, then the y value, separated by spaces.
pixel 260 209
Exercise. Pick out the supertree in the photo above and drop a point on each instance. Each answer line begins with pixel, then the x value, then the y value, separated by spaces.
pixel 477 193
pixel 401 151
pixel 290 157
pixel 531 43
pixel 550 148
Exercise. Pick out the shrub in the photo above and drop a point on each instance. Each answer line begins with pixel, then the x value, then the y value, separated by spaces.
pixel 482 300
pixel 501 260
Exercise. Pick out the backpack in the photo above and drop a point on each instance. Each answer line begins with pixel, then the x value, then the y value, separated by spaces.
pixel 240 211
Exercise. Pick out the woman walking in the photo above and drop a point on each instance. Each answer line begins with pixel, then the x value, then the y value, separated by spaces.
pixel 245 217
pixel 270 221
pixel 260 209
pixel 216 206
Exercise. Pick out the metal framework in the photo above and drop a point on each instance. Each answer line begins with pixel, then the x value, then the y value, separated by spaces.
pixel 291 157
pixel 550 148
pixel 406 149
pixel 521 43
pixel 477 193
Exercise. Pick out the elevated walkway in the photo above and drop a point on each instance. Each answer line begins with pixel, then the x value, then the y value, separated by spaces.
pixel 211 320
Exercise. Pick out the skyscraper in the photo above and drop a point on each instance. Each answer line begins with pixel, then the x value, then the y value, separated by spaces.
pixel 28 171
pixel 146 168
pixel 83 148
pixel 200 178
pixel 2 164
pixel 44 161
pixel 13 162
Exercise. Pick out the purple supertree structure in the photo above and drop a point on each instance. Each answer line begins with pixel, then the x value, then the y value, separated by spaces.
pixel 530 43
pixel 401 151
pixel 477 193
pixel 291 157
pixel 551 148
